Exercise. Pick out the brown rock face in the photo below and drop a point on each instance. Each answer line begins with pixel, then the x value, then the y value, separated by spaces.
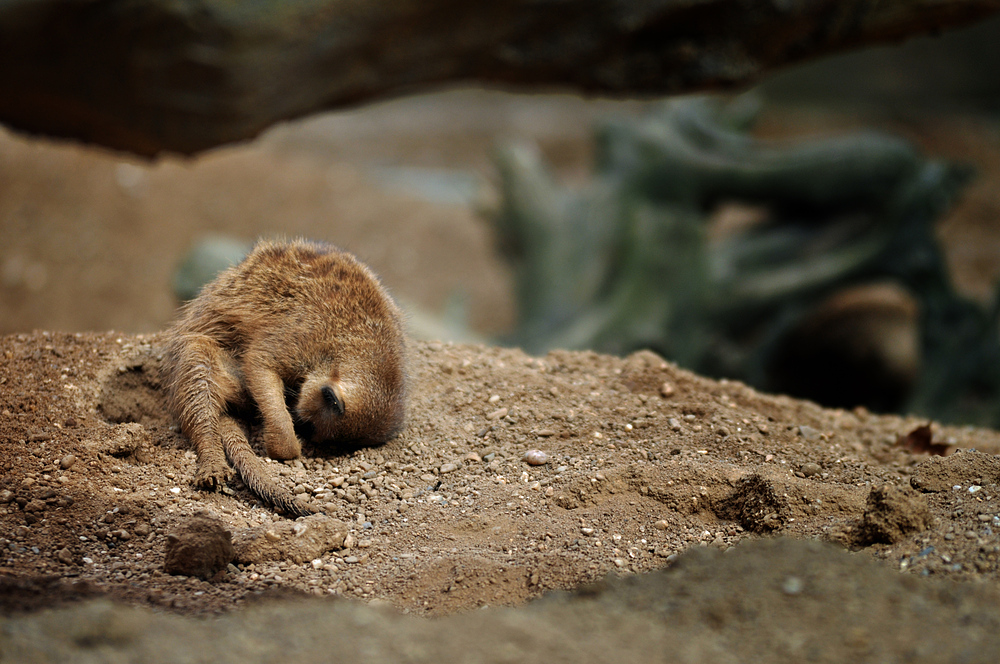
pixel 200 546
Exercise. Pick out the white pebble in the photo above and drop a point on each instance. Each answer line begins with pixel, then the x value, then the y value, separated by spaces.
pixel 536 457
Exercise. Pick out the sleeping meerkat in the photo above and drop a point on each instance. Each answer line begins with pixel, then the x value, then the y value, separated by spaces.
pixel 302 332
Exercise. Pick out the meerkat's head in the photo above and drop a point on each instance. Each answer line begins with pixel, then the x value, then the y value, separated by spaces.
pixel 346 406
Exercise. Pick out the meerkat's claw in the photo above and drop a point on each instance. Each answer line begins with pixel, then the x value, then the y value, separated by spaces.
pixel 212 476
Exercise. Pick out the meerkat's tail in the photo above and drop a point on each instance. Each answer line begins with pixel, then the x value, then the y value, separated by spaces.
pixel 252 470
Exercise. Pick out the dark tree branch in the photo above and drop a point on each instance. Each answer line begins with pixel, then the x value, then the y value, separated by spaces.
pixel 187 75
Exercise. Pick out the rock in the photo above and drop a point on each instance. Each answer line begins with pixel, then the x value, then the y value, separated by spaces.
pixel 65 556
pixel 810 469
pixel 298 541
pixel 809 433
pixel 67 461
pixel 209 257
pixel 200 546
pixel 960 469
pixel 792 585
pixel 536 457
pixel 892 513
pixel 35 506
pixel 497 414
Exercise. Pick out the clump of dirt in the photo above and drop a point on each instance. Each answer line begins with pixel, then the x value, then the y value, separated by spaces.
pixel 756 506
pixel 892 513
pixel 198 546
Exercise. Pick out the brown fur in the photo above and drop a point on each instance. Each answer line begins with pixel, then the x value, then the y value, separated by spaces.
pixel 297 316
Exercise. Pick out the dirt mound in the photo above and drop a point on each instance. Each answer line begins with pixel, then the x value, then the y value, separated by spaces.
pixel 94 477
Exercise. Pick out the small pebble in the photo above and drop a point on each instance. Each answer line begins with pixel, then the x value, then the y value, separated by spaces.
pixel 497 414
pixel 661 525
pixel 809 433
pixel 67 461
pixel 536 457
pixel 810 469
pixel 65 556
pixel 350 560
pixel 666 390
pixel 448 468
pixel 792 585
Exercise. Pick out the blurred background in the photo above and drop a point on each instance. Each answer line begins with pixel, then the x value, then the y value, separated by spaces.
pixel 91 239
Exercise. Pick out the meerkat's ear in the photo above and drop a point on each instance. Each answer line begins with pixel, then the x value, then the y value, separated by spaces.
pixel 332 400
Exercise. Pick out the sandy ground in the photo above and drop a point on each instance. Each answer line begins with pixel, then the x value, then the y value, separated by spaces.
pixel 645 461
pixel 649 467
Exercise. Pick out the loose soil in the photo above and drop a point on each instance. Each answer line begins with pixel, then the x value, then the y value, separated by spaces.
pixel 750 503
pixel 645 461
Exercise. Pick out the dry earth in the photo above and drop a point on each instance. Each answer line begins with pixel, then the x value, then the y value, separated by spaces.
pixel 645 461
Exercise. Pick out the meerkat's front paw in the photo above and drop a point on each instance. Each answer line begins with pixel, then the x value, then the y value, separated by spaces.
pixel 282 444
pixel 212 475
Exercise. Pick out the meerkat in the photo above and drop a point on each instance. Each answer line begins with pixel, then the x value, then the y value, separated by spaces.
pixel 305 334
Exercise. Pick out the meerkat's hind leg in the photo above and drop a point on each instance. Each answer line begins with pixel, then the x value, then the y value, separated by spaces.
pixel 253 472
pixel 204 381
